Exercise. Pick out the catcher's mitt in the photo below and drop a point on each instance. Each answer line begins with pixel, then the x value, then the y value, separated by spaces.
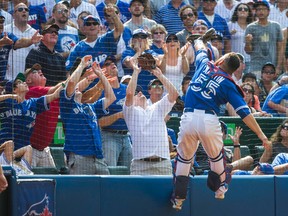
pixel 209 35
pixel 146 61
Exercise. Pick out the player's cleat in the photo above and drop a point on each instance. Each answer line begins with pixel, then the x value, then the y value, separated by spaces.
pixel 209 34
pixel 220 193
pixel 177 203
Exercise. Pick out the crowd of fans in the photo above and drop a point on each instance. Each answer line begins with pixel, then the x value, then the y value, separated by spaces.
pixel 75 58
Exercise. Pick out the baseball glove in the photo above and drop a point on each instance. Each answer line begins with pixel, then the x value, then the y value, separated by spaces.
pixel 146 61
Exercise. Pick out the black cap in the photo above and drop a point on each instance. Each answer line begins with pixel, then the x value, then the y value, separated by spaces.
pixel 47 27
pixel 141 1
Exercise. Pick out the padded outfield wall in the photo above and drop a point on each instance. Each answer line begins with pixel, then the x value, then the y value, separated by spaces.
pixel 142 196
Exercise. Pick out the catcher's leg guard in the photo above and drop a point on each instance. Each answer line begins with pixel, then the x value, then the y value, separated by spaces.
pixel 214 179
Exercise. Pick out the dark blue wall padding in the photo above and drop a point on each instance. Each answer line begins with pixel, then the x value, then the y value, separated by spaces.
pixel 247 195
pixel 281 195
pixel 149 195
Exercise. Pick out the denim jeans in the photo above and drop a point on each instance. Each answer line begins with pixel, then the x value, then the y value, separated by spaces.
pixel 117 149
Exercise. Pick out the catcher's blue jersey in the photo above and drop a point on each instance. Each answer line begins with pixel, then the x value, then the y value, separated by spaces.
pixel 208 92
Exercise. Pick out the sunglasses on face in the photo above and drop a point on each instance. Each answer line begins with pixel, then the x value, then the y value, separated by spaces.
pixel 185 16
pixel 247 90
pixel 269 72
pixel 91 23
pixel 285 127
pixel 156 33
pixel 242 9
pixel 61 11
pixel 141 36
pixel 22 9
pixel 169 40
pixel 157 86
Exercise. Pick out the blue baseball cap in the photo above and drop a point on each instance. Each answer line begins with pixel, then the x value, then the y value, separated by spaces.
pixel 9 86
pixel 266 168
pixel 199 23
pixel 108 58
pixel 89 18
pixel 261 2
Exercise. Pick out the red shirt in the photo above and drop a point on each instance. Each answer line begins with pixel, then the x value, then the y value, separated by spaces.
pixel 46 122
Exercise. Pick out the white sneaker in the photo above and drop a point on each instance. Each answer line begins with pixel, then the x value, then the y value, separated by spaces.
pixel 220 193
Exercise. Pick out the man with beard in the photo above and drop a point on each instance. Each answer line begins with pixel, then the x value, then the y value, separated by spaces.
pixel 138 19
pixel 68 36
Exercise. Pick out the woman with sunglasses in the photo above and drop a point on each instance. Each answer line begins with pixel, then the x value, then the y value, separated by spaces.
pixel 279 141
pixel 242 16
pixel 252 101
pixel 174 63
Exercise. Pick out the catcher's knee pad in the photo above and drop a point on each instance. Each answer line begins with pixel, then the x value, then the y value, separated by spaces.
pixel 181 186
pixel 213 181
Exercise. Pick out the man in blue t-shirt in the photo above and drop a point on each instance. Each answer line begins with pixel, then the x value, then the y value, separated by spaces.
pixel 83 145
pixel 98 47
pixel 115 137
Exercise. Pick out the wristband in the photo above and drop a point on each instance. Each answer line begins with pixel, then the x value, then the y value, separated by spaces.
pixel 236 146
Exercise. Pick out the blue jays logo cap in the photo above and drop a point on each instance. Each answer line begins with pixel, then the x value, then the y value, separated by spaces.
pixel 261 2
pixel 139 32
pixel 108 58
pixel 266 168
pixel 89 18
pixel 199 23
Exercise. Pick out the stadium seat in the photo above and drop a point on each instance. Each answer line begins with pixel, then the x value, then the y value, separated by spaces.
pixel 118 170
pixel 58 156
pixel 244 150
pixel 258 152
pixel 45 170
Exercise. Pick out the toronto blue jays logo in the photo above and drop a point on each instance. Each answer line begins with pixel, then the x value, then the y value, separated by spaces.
pixel 67 43
pixel 40 208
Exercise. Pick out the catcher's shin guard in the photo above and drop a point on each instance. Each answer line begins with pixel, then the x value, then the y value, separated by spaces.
pixel 182 179
pixel 213 180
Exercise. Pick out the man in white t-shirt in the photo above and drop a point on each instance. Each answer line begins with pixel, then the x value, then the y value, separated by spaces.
pixel 147 127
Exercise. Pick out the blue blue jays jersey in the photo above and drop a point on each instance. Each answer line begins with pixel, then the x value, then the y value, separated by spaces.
pixel 67 39
pixel 18 119
pixel 82 133
pixel 209 89
pixel 145 76
pixel 4 54
pixel 277 96
pixel 36 16
pixel 104 46
pixel 219 24
pixel 117 106
pixel 157 50
pixel 125 14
